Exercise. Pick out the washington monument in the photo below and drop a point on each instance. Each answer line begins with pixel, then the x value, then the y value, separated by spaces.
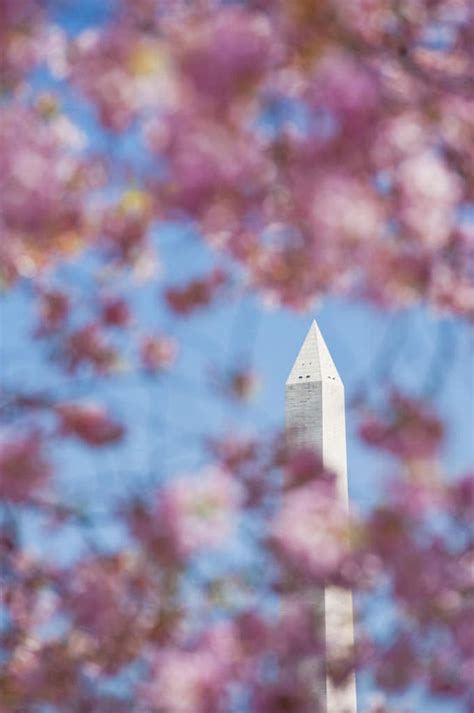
pixel 315 418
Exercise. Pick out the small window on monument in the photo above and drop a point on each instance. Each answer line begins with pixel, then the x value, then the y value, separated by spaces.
pixel 300 377
pixel 307 376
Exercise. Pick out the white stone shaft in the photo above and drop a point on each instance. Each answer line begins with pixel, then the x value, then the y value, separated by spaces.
pixel 315 418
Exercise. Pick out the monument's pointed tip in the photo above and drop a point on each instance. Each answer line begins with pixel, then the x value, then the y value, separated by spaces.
pixel 314 362
pixel 315 326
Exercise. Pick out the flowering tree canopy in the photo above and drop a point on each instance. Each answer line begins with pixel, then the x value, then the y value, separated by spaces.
pixel 307 149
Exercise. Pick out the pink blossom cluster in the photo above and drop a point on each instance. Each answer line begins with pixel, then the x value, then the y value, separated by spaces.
pixel 409 429
pixel 88 422
pixel 116 312
pixel 44 190
pixel 24 467
pixel 191 514
pixel 311 530
pixel 121 70
pixel 323 150
pixel 53 308
pixel 127 608
pixel 196 294
pixel 88 346
pixel 21 40
pixel 344 186
pixel 123 229
pixel 158 352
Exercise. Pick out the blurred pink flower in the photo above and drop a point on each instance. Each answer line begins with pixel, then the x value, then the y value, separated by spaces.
pixel 216 180
pixel 397 274
pixel 348 91
pixel 198 510
pixel 123 228
pixel 44 187
pixel 54 307
pixel 198 293
pixel 286 695
pixel 116 312
pixel 192 514
pixel 310 530
pixel 89 422
pixel 226 53
pixel 87 346
pixel 23 466
pixel 409 429
pixel 397 665
pixel 21 33
pixel 253 635
pixel 185 682
pixel 296 633
pixel 114 604
pixel 461 498
pixel 158 352
pixel 122 71
pixel 234 452
pixel 240 384
pixel 302 465
pixel 45 671
pixel 429 194
pixel 194 678
pixel 94 596
pixel 346 210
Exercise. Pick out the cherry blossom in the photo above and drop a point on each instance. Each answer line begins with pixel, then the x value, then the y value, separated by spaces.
pixel 286 694
pixel 233 452
pixel 224 55
pixel 21 34
pixel 105 609
pixel 461 497
pixel 123 72
pixel 44 189
pixel 311 530
pixel 409 429
pixel 89 422
pixel 24 468
pixel 199 511
pixel 198 293
pixel 116 312
pixel 302 466
pixel 243 384
pixel 88 346
pixel 54 308
pixel 123 227
pixel 186 681
pixel 157 352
